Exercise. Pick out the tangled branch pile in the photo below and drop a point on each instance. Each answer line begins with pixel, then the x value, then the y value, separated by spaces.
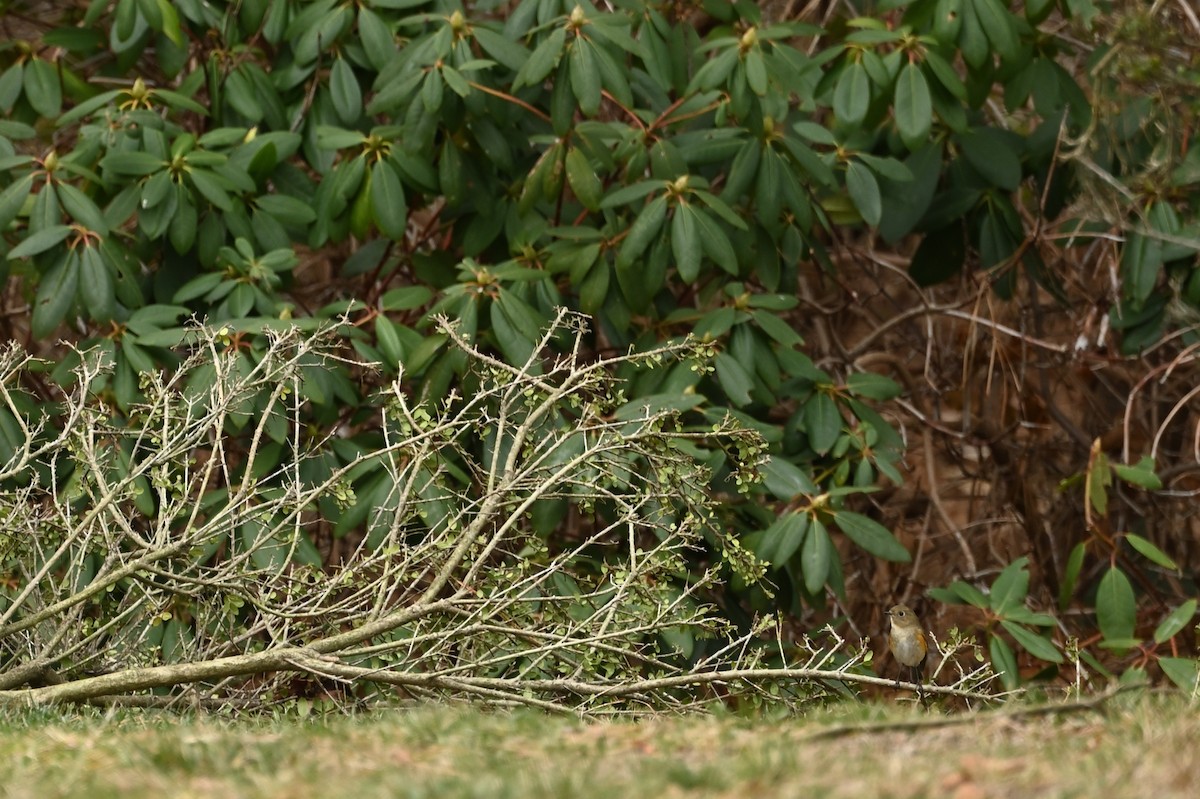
pixel 150 556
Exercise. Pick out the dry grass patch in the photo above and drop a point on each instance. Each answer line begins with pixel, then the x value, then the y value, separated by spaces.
pixel 1134 747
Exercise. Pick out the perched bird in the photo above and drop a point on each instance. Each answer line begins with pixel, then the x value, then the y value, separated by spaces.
pixel 908 644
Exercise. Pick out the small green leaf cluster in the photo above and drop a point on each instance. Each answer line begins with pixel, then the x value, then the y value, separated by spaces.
pixel 1099 567
pixel 1005 610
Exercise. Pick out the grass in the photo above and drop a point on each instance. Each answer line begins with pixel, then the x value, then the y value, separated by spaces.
pixel 1137 747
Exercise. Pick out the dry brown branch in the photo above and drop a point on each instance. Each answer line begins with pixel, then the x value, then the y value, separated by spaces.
pixel 210 597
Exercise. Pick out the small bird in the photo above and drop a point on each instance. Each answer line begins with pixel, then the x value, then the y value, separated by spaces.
pixel 908 644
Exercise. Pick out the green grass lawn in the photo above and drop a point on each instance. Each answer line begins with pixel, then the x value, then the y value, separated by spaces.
pixel 1134 748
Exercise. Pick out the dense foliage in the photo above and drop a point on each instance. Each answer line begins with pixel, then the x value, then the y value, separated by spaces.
pixel 672 169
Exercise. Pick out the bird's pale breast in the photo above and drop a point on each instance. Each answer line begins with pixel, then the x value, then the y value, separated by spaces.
pixel 908 647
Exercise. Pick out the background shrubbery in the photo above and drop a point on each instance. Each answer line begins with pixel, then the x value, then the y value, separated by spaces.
pixel 946 246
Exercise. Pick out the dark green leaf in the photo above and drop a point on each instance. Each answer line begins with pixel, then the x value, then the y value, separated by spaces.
pixel 134 163
pixel 585 77
pixel 516 343
pixel 583 180
pixel 345 92
pixel 786 480
pixel 1175 621
pixel 157 189
pixel 210 188
pixel 594 289
pixel 888 168
pixel 46 210
pixel 781 540
pixel 388 205
pixel 716 323
pixel 1099 478
pixel 872 386
pixel 163 338
pixel 288 210
pixel 643 230
pixel 169 23
pixel 39 242
pixel 1182 672
pixel 1023 615
pixel 388 341
pixel 734 379
pixel 768 194
pixel 378 41
pixel 939 257
pixel 575 260
pixel 905 202
pixel 815 133
pixel 432 91
pixel 11 84
pixel 611 27
pixel 82 209
pixel 508 52
pixel 815 557
pixel 777 329
pixel 1140 474
pixel 999 27
pixel 822 422
pixel 405 298
pixel 715 71
pixel 543 60
pixel 743 170
pixel 95 285
pixel 852 95
pixel 969 594
pixel 1116 609
pixel 626 195
pixel 947 19
pixel 991 152
pixel 810 162
pixel 267 552
pixel 1033 643
pixel 715 244
pixel 334 138
pixel 721 209
pixel 972 41
pixel 685 243
pixel 1010 587
pixel 55 296
pixel 1005 663
pixel 1071 575
pixel 197 287
pixel 770 302
pixel 756 71
pixel 1151 552
pixel 864 191
pixel 239 93
pixel 944 595
pixel 1141 265
pixel 871 536
pixel 996 242
pixel 455 80
pixel 178 101
pixel 42 87
pixel 913 107
pixel 946 76
pixel 12 199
